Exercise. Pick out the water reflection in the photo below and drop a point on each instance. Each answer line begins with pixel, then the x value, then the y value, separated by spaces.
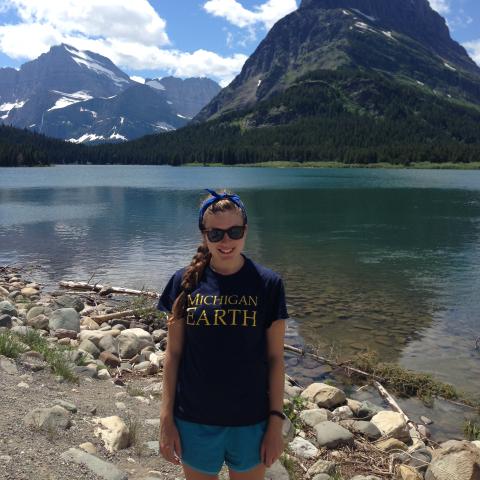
pixel 390 269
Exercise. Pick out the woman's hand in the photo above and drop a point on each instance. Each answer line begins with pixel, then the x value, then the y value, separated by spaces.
pixel 170 446
pixel 272 443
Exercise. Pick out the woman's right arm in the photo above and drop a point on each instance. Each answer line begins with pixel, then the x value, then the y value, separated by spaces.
pixel 170 447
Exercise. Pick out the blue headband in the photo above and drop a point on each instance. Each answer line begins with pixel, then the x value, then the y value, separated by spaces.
pixel 215 197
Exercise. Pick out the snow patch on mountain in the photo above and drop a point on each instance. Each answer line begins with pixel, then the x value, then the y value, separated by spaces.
pixel 88 137
pixel 7 107
pixel 117 136
pixel 372 19
pixel 155 84
pixel 69 99
pixel 81 58
pixel 453 69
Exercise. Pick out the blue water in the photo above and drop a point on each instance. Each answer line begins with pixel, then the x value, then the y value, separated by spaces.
pixel 387 260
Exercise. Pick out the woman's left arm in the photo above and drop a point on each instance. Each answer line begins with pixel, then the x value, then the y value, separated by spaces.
pixel 272 444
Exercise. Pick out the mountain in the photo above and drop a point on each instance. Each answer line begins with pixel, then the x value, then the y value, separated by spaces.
pixel 404 39
pixel 187 97
pixel 83 97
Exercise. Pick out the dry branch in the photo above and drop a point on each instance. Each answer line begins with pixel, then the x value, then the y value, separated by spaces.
pixel 106 289
pixel 110 316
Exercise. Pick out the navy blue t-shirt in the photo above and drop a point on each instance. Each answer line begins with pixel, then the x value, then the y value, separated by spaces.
pixel 223 373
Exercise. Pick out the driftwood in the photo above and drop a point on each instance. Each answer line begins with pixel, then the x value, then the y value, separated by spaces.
pixel 110 316
pixel 106 289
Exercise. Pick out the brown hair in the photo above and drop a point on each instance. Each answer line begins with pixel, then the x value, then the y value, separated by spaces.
pixel 201 259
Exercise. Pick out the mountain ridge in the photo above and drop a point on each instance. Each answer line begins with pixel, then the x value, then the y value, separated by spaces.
pixel 54 93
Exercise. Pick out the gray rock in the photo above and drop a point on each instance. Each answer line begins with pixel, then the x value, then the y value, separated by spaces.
pixel 128 345
pixel 154 446
pixel 8 366
pixel 108 343
pixel 367 429
pixel 288 430
pixel 303 448
pixel 368 410
pixel 325 396
pixel 5 320
pixel 39 322
pixel 38 310
pixel 21 330
pixel 66 405
pixel 331 435
pixel 456 459
pixel 32 360
pixel 100 468
pixel 89 347
pixel 322 476
pixel 69 301
pixel 85 371
pixel 276 472
pixel 158 335
pixel 342 413
pixel 315 415
pixel 7 308
pixel 48 418
pixel 322 467
pixel 66 318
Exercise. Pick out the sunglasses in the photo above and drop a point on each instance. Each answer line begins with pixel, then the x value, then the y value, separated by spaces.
pixel 215 235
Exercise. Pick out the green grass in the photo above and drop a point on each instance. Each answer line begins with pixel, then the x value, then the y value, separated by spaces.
pixel 143 306
pixel 292 409
pixel 12 345
pixel 407 383
pixel 288 164
pixel 471 429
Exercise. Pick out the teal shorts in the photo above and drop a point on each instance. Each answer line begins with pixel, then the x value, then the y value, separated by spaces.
pixel 206 447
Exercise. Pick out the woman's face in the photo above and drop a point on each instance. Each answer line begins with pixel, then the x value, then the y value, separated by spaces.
pixel 226 250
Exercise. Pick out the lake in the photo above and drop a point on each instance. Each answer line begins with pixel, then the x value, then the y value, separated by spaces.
pixel 386 260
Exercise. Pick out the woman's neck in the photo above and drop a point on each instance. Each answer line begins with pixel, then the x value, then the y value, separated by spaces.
pixel 227 268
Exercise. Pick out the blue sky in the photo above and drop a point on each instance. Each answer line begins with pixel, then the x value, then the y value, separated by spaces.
pixel 154 38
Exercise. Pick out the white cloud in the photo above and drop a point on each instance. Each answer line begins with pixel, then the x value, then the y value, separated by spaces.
pixel 441 6
pixel 234 12
pixel 473 48
pixel 131 34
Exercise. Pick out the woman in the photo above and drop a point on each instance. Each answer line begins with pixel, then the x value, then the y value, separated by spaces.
pixel 224 369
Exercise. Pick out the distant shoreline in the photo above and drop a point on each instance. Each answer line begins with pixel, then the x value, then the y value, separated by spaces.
pixel 287 164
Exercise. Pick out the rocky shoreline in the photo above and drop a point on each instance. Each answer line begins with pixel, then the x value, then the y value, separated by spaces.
pixel 80 385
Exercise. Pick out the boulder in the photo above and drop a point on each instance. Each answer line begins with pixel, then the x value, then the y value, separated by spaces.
pixel 32 360
pixel 62 333
pixel 315 415
pixel 89 324
pixel 7 308
pixel 288 430
pixel 100 468
pixel 391 444
pixel 48 418
pixel 5 320
pixel 391 424
pixel 38 310
pixel 109 359
pixel 332 435
pixel 128 345
pixel 89 347
pixel 323 395
pixel 303 448
pixel 405 472
pixel 113 432
pixel 362 427
pixel 322 467
pixel 455 459
pixel 108 343
pixel 342 413
pixel 29 292
pixel 39 322
pixel 69 301
pixel 8 366
pixel 66 318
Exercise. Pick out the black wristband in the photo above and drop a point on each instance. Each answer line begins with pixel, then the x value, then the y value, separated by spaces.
pixel 277 414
